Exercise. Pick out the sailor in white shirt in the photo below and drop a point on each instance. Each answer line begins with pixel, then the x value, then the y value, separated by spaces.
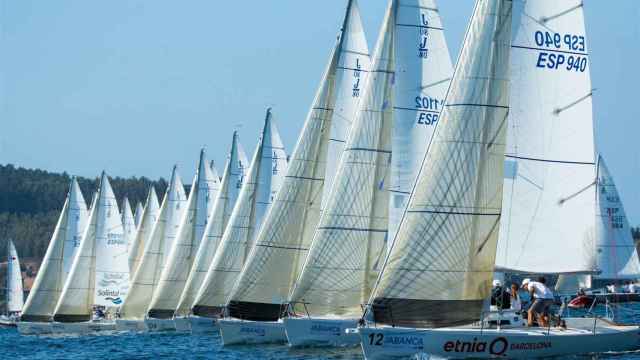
pixel 543 299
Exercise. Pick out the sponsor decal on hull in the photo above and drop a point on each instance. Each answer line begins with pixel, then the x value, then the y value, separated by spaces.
pixel 252 330
pixel 317 327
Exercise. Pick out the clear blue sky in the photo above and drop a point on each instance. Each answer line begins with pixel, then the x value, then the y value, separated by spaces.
pixel 136 86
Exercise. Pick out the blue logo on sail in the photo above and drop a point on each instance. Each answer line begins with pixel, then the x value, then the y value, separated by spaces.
pixel 116 301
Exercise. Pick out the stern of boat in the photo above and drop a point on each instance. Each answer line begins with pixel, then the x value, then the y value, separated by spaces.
pixel 235 332
pixel 203 325
pixel 306 331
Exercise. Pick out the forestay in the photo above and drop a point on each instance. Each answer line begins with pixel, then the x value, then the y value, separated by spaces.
pixel 440 266
pixel 284 239
pixel 422 73
pixel 204 191
pixel 231 184
pixel 349 242
pixel 262 182
pixel 148 219
pixel 99 274
pixel 56 264
pixel 549 197
pixel 15 296
pixel 147 273
pixel 616 253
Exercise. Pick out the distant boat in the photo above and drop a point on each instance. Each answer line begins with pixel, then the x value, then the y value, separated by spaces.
pixel 230 186
pixel 13 291
pixel 259 187
pixel 262 290
pixel 37 313
pixel 99 279
pixel 162 229
pixel 200 203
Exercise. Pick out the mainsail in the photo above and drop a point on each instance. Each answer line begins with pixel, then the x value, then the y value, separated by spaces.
pixel 283 241
pixel 262 182
pixel 149 215
pixel 128 225
pixel 549 193
pixel 99 274
pixel 147 273
pixel 440 266
pixel 231 184
pixel 204 191
pixel 423 70
pixel 15 296
pixel 138 215
pixel 56 264
pixel 617 257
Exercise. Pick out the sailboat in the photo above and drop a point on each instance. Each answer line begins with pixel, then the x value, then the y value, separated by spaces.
pixel 613 251
pixel 149 215
pixel 128 225
pixel 350 242
pixel 147 272
pixel 37 312
pixel 458 226
pixel 262 290
pixel 99 278
pixel 231 184
pixel 263 180
pixel 138 214
pixel 204 191
pixel 13 291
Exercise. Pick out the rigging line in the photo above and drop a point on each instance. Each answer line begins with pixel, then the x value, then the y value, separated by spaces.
pixel 546 19
pixel 563 200
pixel 549 160
pixel 559 110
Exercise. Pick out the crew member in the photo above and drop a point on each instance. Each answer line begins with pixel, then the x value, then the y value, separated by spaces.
pixel 543 299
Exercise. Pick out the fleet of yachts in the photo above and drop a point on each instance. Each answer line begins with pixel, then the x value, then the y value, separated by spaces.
pixel 412 184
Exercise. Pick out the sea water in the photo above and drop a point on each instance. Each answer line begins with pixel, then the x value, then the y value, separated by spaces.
pixel 155 346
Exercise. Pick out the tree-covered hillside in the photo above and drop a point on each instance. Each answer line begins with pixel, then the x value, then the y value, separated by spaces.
pixel 31 200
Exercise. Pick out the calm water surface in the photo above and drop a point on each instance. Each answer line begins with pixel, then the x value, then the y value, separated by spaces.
pixel 121 346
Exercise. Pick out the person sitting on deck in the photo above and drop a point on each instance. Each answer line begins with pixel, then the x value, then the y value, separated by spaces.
pixel 500 298
pixel 542 299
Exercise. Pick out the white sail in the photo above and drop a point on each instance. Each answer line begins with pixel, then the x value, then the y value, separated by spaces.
pixel 149 215
pixel 204 191
pixel 147 273
pixel 440 266
pixel 568 284
pixel 263 180
pixel 230 186
pixel 423 70
pixel 57 261
pixel 617 257
pixel 128 224
pixel 138 214
pixel 284 239
pixel 15 296
pixel 549 197
pixel 99 274
pixel 349 242
pixel 351 74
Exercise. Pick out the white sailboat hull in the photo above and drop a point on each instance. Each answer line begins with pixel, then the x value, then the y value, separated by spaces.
pixel 320 332
pixel 34 328
pixel 130 325
pixel 235 332
pixel 182 324
pixel 520 342
pixel 88 327
pixel 154 324
pixel 203 325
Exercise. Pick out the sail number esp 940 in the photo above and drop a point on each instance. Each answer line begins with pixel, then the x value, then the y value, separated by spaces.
pixel 564 51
